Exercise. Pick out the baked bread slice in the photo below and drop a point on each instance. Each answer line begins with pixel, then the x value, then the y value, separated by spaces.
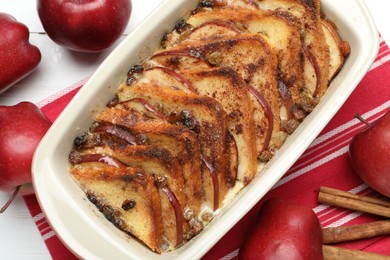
pixel 203 115
pixel 338 48
pixel 161 164
pixel 125 196
pixel 254 59
pixel 230 90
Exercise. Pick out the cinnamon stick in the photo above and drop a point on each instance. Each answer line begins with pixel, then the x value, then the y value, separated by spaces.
pixel 352 201
pixel 355 232
pixel 337 253
pixel 364 204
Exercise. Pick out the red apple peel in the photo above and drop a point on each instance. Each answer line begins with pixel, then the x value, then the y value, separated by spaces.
pixel 18 57
pixel 369 152
pixel 18 142
pixel 284 230
pixel 84 25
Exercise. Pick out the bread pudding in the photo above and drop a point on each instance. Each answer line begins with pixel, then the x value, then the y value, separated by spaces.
pixel 196 121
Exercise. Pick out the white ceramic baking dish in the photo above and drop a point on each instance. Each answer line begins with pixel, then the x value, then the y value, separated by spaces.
pixel 79 224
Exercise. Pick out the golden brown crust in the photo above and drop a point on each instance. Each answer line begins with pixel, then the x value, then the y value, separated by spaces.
pixel 109 188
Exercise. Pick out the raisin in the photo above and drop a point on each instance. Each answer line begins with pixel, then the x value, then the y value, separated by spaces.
pixel 113 102
pixel 135 69
pixel 206 3
pixel 188 119
pixel 80 140
pixel 91 197
pixel 108 212
pixel 130 80
pixel 181 26
pixel 164 40
pixel 128 204
pixel 119 223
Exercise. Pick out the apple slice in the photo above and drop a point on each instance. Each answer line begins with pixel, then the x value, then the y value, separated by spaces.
pixel 76 157
pixel 234 160
pixel 117 131
pixel 208 30
pixel 212 29
pixel 161 183
pixel 142 106
pixel 177 60
pixel 268 115
pixel 158 74
pixel 312 72
pixel 253 3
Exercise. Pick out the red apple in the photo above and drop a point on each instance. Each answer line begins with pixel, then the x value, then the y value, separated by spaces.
pixel 370 154
pixel 18 57
pixel 284 230
pixel 84 25
pixel 22 128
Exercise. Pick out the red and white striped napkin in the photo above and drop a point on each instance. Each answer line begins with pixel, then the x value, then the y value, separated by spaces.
pixel 325 163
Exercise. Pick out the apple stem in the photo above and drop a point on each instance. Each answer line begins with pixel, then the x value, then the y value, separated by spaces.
pixel 363 120
pixel 10 199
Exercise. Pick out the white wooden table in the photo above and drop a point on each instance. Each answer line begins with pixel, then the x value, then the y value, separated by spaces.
pixel 60 68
